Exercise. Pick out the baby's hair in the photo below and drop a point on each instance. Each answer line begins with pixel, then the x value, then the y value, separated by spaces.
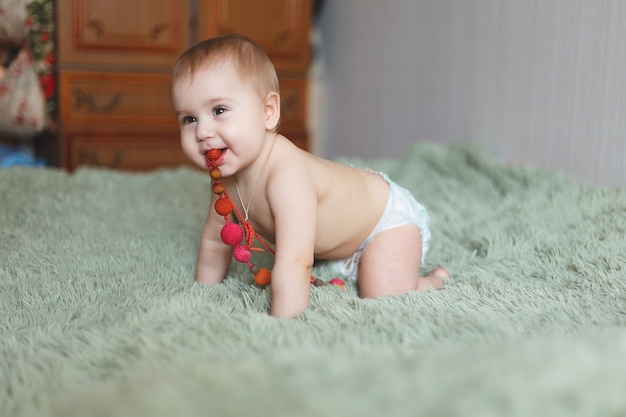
pixel 249 60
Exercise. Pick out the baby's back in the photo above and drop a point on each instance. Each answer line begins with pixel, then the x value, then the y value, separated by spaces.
pixel 350 203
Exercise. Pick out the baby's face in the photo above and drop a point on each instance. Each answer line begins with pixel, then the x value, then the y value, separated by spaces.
pixel 215 109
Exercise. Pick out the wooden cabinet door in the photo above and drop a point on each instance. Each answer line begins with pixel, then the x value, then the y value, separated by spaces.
pixel 280 27
pixel 122 33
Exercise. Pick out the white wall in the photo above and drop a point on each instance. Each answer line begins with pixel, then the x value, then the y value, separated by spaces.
pixel 537 81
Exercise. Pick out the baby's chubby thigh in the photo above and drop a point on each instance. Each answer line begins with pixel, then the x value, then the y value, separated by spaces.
pixel 390 263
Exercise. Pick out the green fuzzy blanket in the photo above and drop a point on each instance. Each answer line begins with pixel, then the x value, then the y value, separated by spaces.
pixel 100 315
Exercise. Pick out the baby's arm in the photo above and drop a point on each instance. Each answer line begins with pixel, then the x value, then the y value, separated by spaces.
pixel 294 207
pixel 214 256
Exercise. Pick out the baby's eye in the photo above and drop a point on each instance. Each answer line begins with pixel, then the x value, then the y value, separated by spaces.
pixel 217 110
pixel 187 120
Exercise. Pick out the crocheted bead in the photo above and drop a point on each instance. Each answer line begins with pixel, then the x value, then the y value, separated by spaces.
pixel 231 234
pixel 338 282
pixel 218 188
pixel 223 206
pixel 263 277
pixel 215 173
pixel 241 254
pixel 213 154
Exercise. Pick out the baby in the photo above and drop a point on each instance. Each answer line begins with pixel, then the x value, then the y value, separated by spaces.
pixel 227 102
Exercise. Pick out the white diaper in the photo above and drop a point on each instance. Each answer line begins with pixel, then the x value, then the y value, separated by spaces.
pixel 401 209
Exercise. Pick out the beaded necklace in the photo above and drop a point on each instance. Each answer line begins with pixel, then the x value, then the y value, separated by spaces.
pixel 232 234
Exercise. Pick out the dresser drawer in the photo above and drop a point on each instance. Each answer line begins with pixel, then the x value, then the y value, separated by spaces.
pixel 124 150
pixel 122 99
pixel 115 34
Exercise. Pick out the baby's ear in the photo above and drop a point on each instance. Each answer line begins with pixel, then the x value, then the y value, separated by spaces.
pixel 272 111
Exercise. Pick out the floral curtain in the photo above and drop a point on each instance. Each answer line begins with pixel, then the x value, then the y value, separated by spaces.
pixel 27 82
pixel 41 23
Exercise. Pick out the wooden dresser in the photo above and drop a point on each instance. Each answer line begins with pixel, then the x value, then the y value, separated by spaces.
pixel 114 64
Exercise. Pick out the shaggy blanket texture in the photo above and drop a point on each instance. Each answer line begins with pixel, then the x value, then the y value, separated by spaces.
pixel 100 315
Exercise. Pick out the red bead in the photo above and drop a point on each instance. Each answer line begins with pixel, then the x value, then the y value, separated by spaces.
pixel 231 234
pixel 338 282
pixel 223 206
pixel 213 154
pixel 241 254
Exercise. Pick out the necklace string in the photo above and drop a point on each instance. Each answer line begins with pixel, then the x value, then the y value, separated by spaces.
pixel 246 207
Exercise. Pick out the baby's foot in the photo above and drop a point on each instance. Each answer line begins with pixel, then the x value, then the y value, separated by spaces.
pixel 435 280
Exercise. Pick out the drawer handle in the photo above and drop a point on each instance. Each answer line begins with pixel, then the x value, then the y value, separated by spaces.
pixel 97 26
pixel 283 37
pixel 89 101
pixel 156 31
pixel 290 103
pixel 91 158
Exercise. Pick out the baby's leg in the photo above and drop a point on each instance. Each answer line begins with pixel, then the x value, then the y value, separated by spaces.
pixel 390 264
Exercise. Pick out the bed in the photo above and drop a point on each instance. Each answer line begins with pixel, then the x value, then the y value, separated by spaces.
pixel 100 314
